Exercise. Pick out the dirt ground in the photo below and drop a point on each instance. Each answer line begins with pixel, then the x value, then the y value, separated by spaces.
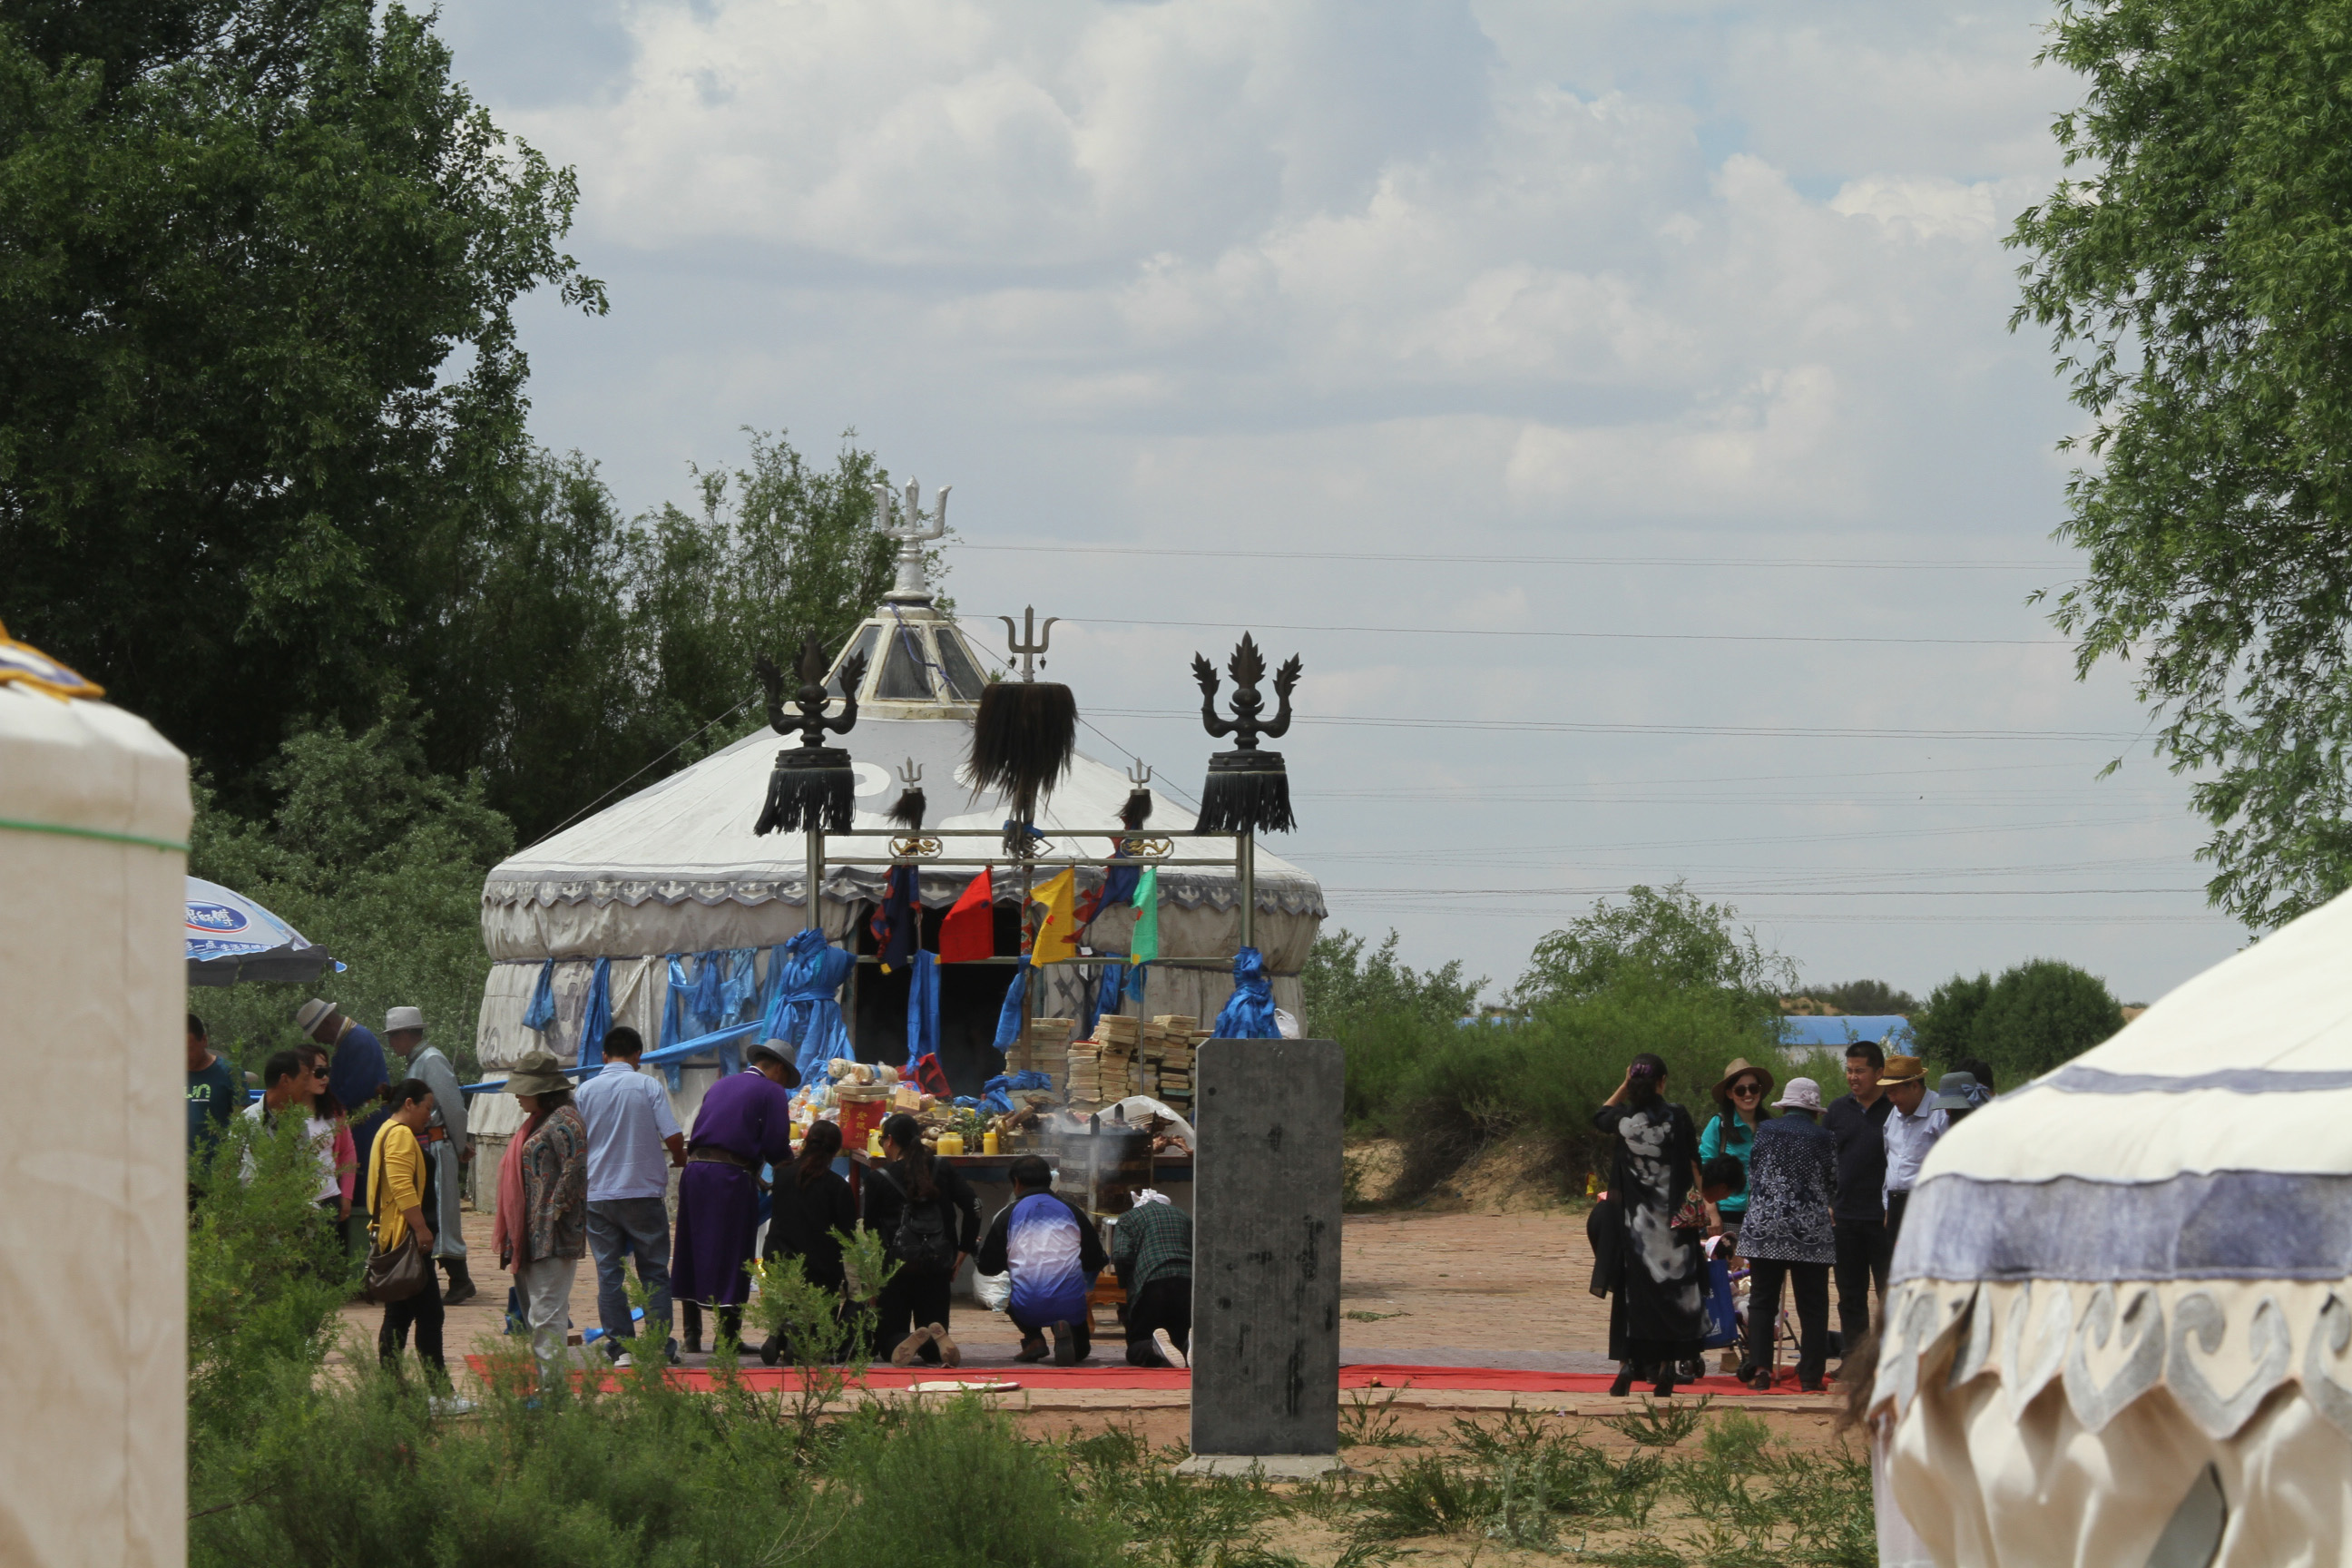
pixel 1459 1281
pixel 1445 1284
pixel 1476 1285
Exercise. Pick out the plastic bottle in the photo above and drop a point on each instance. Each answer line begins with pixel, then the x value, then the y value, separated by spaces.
pixel 989 1143
pixel 951 1145
pixel 873 1142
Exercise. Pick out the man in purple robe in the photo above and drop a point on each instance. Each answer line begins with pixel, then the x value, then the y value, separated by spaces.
pixel 744 1123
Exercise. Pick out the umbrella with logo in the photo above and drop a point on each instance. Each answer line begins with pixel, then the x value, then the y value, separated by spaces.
pixel 231 938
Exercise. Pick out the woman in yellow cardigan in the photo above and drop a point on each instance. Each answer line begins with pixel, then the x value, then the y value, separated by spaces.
pixel 400 1193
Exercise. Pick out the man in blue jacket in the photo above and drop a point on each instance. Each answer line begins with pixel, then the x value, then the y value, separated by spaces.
pixel 1053 1254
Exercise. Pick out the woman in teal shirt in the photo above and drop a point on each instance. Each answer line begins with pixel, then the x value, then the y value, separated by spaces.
pixel 1741 1102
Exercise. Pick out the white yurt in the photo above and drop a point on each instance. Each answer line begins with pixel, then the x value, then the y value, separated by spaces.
pixel 652 887
pixel 2120 1316
pixel 94 815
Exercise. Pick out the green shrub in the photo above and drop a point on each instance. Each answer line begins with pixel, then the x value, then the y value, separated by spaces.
pixel 958 1486
pixel 1447 1090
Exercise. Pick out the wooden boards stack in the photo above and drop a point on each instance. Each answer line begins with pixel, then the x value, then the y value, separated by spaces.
pixel 1167 1056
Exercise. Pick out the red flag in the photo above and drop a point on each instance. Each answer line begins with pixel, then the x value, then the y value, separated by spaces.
pixel 970 930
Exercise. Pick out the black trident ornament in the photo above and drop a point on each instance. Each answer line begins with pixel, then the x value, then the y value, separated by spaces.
pixel 1247 791
pixel 812 786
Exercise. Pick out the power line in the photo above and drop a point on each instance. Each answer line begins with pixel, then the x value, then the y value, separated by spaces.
pixel 1586 636
pixel 1488 792
pixel 1978 829
pixel 1791 563
pixel 1570 727
pixel 1777 891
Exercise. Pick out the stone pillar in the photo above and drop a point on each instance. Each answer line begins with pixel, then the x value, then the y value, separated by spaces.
pixel 1265 1256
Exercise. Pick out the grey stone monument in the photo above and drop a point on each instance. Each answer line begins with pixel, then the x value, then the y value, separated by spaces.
pixel 1265 1258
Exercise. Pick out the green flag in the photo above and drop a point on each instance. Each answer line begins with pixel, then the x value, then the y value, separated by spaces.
pixel 1144 945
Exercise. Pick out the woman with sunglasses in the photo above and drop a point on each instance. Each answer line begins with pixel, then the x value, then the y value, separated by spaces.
pixel 327 1107
pixel 1740 1107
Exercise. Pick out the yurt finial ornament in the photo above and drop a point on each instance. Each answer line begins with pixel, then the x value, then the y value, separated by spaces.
pixel 902 518
pixel 1248 790
pixel 813 785
pixel 1024 735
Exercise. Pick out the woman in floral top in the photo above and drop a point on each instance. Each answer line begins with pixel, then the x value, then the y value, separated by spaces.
pixel 1789 1234
pixel 542 1224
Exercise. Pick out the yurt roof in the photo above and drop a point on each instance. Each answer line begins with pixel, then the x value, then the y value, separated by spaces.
pixel 688 840
pixel 2222 1114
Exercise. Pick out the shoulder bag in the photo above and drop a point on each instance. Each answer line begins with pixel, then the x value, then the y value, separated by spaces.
pixel 402 1272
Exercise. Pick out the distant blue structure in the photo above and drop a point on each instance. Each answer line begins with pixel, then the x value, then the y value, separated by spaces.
pixel 1891 1032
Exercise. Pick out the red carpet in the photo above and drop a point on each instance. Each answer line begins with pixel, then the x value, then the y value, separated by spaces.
pixel 767 1380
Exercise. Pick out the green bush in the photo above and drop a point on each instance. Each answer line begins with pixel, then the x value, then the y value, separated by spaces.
pixel 1447 1091
pixel 2037 1015
pixel 265 1277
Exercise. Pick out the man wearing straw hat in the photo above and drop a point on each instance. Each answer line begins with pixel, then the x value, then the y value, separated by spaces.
pixel 445 1140
pixel 1912 1129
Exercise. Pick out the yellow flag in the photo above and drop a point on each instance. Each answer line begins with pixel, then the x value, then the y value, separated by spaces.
pixel 1057 933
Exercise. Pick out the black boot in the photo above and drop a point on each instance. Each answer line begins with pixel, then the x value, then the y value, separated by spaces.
pixel 1624 1383
pixel 461 1284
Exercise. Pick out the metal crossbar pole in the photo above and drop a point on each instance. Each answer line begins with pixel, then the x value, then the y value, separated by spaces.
pixel 1246 866
pixel 814 872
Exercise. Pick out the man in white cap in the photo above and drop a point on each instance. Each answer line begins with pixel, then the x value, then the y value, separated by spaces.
pixel 356 1076
pixel 445 1143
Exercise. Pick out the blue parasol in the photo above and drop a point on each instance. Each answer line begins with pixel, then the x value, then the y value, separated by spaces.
pixel 231 938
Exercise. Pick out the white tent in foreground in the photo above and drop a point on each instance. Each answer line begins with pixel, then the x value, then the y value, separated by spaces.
pixel 2120 1320
pixel 93 823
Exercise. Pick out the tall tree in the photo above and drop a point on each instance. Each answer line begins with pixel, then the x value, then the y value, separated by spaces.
pixel 1665 937
pixel 258 374
pixel 580 652
pixel 2193 270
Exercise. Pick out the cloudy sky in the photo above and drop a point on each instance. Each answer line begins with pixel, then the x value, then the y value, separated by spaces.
pixel 1613 404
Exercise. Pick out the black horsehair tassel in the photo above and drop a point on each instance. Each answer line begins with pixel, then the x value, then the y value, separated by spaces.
pixel 803 791
pixel 908 812
pixel 1249 791
pixel 1137 811
pixel 813 785
pixel 1022 739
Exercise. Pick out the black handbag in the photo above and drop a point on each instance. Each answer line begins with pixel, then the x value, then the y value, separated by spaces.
pixel 400 1273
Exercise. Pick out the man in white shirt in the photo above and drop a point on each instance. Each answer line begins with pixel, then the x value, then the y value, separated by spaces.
pixel 633 1143
pixel 1911 1130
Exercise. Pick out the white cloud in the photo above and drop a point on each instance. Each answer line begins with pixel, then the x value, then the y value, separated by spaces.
pixel 1522 277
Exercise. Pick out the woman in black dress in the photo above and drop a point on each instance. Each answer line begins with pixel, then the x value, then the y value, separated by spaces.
pixel 1655 1314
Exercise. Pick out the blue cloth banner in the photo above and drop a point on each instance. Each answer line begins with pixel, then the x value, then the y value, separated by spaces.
pixel 1107 995
pixel 1008 1020
pixel 542 1010
pixel 704 998
pixel 1135 984
pixel 805 1011
pixel 1090 1006
pixel 1249 1013
pixel 994 1097
pixel 923 1008
pixel 597 1022
pixel 673 1026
